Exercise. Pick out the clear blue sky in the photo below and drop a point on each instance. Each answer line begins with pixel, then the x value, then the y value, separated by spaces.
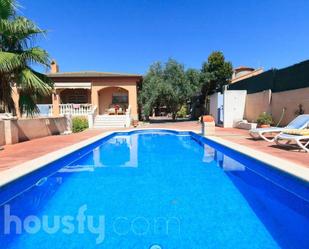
pixel 128 35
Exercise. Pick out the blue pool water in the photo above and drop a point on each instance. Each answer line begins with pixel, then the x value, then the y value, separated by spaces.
pixel 155 190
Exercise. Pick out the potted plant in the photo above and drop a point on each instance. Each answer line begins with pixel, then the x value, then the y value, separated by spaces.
pixel 264 120
pixel 135 123
pixel 208 125
pixel 207 119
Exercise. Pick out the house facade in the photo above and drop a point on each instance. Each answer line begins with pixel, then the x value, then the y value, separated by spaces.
pixel 106 96
pixel 104 93
pixel 243 72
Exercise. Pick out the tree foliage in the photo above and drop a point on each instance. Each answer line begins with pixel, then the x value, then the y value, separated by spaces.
pixel 216 73
pixel 194 77
pixel 149 94
pixel 168 85
pixel 172 86
pixel 17 56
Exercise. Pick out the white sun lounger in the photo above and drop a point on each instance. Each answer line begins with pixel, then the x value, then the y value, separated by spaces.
pixel 302 141
pixel 300 122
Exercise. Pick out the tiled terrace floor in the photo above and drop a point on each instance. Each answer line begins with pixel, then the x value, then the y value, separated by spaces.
pixel 13 155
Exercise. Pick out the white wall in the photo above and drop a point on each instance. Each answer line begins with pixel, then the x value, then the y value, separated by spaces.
pixel 234 102
pixel 215 104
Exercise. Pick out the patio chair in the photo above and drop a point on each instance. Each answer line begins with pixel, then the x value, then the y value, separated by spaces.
pixel 300 122
pixel 300 139
pixel 111 111
pixel 120 111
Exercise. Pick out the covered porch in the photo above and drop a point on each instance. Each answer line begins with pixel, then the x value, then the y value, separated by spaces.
pixel 81 99
pixel 72 98
pixel 113 101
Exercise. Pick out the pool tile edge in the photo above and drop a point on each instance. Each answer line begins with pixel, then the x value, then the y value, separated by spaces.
pixel 20 170
pixel 291 168
pixel 27 167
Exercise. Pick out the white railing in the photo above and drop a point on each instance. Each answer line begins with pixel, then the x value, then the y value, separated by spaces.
pixel 128 116
pixel 91 116
pixel 75 109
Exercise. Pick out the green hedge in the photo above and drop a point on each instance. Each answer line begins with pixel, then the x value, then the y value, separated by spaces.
pixel 293 77
pixel 289 78
pixel 79 124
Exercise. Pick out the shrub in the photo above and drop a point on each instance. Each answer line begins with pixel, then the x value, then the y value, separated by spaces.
pixel 182 113
pixel 264 119
pixel 300 110
pixel 79 124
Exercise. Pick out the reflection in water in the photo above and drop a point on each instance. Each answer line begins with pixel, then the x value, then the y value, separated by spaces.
pixel 219 202
pixel 120 151
pixel 225 162
pixel 274 206
pixel 209 154
pixel 229 164
pixel 77 168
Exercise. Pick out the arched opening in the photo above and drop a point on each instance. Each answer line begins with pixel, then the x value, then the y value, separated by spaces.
pixel 113 101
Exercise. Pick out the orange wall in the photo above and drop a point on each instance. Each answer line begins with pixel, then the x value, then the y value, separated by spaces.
pixel 105 97
pixel 128 84
pixel 27 129
pixel 247 75
pixel 257 103
pixel 2 134
pixel 289 100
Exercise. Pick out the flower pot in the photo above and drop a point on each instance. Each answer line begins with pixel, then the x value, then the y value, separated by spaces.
pixel 207 118
pixel 208 125
pixel 135 123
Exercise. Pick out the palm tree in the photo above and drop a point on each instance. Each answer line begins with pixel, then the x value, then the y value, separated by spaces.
pixel 17 56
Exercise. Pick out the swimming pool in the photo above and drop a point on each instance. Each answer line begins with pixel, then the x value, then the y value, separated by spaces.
pixel 155 189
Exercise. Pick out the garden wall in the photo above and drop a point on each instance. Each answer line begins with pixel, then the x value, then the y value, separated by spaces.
pixel 289 100
pixel 276 90
pixel 2 134
pixel 27 129
pixel 216 102
pixel 273 103
pixel 256 103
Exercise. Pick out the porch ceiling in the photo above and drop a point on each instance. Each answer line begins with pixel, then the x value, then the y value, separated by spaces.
pixel 72 85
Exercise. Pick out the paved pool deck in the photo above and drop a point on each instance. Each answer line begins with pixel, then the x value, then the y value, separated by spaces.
pixel 16 154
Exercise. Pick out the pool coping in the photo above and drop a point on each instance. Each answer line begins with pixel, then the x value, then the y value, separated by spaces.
pixel 25 168
pixel 284 165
